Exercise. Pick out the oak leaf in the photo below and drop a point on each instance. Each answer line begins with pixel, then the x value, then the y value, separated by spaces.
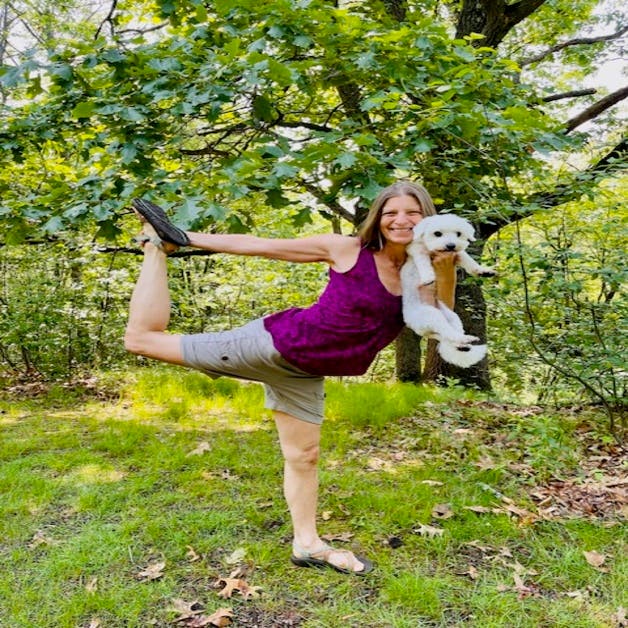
pixel 185 610
pixel 232 585
pixel 595 559
pixel 222 617
pixel 201 448
pixel 152 572
pixel 442 511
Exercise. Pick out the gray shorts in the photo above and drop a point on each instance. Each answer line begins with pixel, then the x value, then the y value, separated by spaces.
pixel 248 353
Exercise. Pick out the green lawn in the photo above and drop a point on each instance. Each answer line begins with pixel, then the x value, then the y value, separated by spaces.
pixel 476 513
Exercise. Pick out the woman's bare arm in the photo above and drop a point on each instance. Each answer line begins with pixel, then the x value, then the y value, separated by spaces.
pixel 330 247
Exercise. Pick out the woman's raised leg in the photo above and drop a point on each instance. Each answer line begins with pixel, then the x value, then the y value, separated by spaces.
pixel 149 309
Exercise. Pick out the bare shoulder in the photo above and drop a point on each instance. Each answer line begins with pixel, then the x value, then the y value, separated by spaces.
pixel 344 251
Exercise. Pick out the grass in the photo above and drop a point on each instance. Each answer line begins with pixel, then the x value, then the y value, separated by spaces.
pixel 94 491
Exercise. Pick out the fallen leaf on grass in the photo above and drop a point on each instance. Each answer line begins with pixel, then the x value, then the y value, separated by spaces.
pixel 201 448
pixel 431 482
pixel 236 556
pixel 39 538
pixel 94 623
pixel 471 571
pixel 342 537
pixel 619 618
pixel 222 617
pixel 429 531
pixel 92 585
pixel 521 588
pixel 152 572
pixel 479 509
pixel 185 610
pixel 326 515
pixel 232 585
pixel 191 554
pixel 442 511
pixel 595 559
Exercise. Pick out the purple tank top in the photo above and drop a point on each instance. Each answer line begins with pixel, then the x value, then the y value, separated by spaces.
pixel 343 331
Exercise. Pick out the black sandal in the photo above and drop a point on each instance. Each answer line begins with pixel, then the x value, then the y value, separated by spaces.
pixel 156 217
pixel 320 558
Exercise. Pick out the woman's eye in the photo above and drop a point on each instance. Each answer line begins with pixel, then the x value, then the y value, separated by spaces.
pixel 438 234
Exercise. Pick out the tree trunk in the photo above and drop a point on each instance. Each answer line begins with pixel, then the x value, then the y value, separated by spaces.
pixel 408 356
pixel 471 308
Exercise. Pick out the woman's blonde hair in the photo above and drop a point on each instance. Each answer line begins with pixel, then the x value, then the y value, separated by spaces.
pixel 369 231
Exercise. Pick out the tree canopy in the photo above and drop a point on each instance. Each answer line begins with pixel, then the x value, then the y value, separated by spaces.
pixel 215 109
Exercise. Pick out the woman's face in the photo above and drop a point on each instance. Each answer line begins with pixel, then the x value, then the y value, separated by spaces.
pixel 399 216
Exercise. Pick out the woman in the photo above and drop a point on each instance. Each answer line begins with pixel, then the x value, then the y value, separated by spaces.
pixel 357 315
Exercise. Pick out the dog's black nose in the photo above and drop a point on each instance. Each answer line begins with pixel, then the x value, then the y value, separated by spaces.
pixel 450 246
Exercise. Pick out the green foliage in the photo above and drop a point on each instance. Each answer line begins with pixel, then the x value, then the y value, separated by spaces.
pixel 574 272
pixel 256 96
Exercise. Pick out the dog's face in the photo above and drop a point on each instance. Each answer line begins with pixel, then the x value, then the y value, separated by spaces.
pixel 444 232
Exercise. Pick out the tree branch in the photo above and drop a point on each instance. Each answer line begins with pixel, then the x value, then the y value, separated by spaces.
pixel 330 203
pixel 581 41
pixel 397 8
pixel 573 94
pixel 596 109
pixel 108 19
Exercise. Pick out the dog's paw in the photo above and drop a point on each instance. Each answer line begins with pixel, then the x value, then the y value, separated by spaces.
pixel 485 271
pixel 464 341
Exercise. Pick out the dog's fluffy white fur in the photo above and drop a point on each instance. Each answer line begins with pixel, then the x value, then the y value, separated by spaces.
pixel 444 232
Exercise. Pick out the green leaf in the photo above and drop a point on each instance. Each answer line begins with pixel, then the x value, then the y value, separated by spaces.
pixel 263 109
pixel 83 110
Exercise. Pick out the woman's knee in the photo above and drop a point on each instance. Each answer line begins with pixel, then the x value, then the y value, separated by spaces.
pixel 305 456
pixel 133 341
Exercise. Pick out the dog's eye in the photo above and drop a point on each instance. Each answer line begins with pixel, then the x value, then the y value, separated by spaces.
pixel 458 233
pixel 438 234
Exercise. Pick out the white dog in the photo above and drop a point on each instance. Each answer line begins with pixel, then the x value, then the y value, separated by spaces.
pixel 444 232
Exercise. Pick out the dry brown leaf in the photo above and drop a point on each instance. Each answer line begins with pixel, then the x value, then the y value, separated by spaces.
pixel 222 617
pixel 232 585
pixel 472 572
pixel 478 509
pixel 431 482
pixel 595 559
pixel 191 554
pixel 342 537
pixel 326 515
pixel 152 572
pixel 429 531
pixel 92 585
pixel 486 463
pixel 201 448
pixel 185 610
pixel 442 511
pixel 236 556
pixel 619 618
pixel 39 538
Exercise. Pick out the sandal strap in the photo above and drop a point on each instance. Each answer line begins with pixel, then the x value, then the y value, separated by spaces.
pixel 154 240
pixel 299 552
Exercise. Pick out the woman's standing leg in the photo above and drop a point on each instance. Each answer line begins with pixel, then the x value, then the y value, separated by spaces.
pixel 300 442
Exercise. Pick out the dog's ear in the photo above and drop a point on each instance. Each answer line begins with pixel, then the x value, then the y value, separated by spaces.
pixel 469 231
pixel 419 230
